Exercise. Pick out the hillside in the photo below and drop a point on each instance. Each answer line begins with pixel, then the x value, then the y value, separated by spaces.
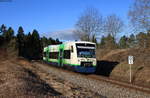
pixel 18 81
pixel 120 71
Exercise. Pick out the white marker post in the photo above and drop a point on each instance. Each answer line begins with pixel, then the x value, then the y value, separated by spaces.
pixel 130 61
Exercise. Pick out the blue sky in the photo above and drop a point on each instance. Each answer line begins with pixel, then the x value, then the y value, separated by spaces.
pixel 55 15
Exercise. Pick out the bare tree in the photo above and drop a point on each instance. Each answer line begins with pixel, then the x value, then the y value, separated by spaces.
pixel 113 25
pixel 89 24
pixel 139 15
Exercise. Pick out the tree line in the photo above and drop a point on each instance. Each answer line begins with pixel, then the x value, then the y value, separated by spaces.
pixel 91 25
pixel 140 40
pixel 28 45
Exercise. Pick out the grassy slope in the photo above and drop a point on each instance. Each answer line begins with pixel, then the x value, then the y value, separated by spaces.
pixel 140 68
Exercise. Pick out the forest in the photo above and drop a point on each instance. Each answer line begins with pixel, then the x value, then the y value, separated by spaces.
pixel 28 45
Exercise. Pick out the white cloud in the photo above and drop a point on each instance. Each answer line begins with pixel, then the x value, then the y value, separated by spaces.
pixel 65 35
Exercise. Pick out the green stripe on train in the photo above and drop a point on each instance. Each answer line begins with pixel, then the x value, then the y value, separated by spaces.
pixel 61 47
pixel 47 53
pixel 57 61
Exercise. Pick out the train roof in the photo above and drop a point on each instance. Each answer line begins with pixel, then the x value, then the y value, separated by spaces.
pixel 70 42
pixel 79 42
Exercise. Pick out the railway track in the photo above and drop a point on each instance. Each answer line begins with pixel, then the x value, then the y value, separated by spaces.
pixel 98 80
pixel 120 83
pixel 109 80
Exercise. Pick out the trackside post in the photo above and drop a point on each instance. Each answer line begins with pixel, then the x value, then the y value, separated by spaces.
pixel 130 62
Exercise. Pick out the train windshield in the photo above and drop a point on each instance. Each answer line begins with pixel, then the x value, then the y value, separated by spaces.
pixel 88 53
pixel 86 50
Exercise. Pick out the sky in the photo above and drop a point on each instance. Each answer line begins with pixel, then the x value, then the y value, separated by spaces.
pixel 51 17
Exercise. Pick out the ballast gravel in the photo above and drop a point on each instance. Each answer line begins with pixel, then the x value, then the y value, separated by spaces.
pixel 105 89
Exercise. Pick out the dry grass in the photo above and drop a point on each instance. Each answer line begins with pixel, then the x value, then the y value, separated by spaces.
pixel 140 68
pixel 17 81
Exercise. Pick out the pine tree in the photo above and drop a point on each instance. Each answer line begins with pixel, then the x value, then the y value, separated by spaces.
pixel 123 42
pixel 20 41
pixel 57 41
pixel 8 34
pixel 3 28
pixel 110 42
pixel 103 42
pixel 36 45
pixel 28 46
pixel 142 40
pixel 44 41
pixel 51 41
pixel 132 41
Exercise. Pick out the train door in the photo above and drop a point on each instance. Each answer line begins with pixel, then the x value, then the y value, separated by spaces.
pixel 61 57
pixel 47 55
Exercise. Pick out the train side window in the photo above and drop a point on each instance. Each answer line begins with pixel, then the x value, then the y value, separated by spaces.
pixel 56 55
pixel 71 48
pixel 50 55
pixel 53 55
pixel 44 54
pixel 66 54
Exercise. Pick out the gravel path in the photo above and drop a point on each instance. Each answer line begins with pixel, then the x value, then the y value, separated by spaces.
pixel 105 89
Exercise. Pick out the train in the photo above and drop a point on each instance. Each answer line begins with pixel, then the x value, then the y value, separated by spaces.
pixel 78 56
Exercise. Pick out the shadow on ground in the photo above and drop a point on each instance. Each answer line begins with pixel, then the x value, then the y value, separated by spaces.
pixel 105 67
pixel 38 86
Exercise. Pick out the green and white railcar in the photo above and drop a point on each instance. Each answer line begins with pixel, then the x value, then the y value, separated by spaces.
pixel 78 56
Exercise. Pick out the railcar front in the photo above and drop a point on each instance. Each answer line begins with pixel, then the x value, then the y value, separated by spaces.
pixel 85 57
